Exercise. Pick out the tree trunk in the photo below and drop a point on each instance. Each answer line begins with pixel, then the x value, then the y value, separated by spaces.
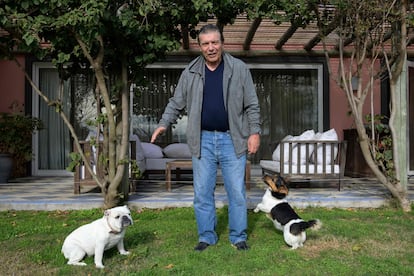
pixel 363 59
pixel 111 198
pixel 396 189
pixel 118 187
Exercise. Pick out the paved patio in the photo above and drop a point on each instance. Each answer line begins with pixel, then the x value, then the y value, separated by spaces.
pixel 56 193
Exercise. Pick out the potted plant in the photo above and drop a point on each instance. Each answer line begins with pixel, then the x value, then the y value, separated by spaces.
pixel 16 130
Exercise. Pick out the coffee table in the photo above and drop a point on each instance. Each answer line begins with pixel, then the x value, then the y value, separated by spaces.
pixel 178 165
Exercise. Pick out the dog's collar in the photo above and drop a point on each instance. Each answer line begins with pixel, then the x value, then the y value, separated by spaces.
pixel 113 231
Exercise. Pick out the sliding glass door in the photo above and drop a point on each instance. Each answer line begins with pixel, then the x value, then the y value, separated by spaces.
pixel 291 100
pixel 410 107
pixel 52 145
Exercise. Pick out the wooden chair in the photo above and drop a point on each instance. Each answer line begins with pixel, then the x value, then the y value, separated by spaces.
pixel 82 177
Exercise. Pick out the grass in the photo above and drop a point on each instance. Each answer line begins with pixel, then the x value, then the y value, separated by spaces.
pixel 351 242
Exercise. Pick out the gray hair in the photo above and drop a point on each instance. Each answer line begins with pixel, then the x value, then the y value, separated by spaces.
pixel 208 29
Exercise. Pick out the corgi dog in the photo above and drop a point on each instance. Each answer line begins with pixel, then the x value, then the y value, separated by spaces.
pixel 284 218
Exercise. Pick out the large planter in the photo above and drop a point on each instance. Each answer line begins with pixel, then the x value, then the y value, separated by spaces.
pixel 16 137
pixel 355 166
pixel 6 165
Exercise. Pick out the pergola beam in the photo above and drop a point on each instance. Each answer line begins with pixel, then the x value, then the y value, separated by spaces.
pixel 317 38
pixel 250 33
pixel 285 37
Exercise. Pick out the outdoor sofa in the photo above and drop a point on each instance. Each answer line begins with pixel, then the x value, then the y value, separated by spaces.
pixel 308 157
pixel 150 158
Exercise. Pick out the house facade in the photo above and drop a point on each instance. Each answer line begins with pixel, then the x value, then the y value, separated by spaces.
pixel 295 89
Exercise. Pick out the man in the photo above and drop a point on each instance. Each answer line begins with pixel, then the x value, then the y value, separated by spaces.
pixel 223 126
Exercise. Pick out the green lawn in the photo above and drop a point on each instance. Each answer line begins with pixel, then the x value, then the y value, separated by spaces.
pixel 351 242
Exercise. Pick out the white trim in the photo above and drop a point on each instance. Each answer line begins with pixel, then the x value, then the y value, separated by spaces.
pixel 410 64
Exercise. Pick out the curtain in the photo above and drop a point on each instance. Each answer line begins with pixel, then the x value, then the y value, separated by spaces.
pixel 288 100
pixel 289 104
pixel 54 139
pixel 150 98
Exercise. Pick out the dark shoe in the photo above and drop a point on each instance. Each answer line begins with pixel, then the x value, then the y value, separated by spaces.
pixel 241 245
pixel 201 246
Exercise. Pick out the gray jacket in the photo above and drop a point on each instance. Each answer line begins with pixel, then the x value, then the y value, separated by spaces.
pixel 240 100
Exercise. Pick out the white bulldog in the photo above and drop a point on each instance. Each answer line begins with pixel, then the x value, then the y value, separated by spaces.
pixel 96 237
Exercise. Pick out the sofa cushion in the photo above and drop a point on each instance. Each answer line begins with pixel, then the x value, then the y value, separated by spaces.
pixel 276 167
pixel 305 136
pixel 139 150
pixel 177 150
pixel 329 135
pixel 276 153
pixel 152 150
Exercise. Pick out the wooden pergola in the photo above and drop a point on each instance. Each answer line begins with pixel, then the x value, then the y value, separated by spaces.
pixel 263 37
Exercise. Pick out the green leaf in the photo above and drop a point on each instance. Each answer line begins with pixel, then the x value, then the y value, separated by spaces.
pixel 24 4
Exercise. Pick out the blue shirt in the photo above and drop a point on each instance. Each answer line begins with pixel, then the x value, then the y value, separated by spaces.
pixel 214 114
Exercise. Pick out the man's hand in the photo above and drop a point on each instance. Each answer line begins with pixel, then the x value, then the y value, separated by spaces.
pixel 158 131
pixel 253 143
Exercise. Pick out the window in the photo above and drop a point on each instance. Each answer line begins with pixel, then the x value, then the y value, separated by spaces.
pixel 52 144
pixel 290 96
pixel 150 99
pixel 291 101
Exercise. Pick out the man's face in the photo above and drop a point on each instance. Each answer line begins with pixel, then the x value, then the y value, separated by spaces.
pixel 211 47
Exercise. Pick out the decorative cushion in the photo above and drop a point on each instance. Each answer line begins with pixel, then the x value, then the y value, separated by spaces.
pixel 329 135
pixel 138 148
pixel 152 150
pixel 306 135
pixel 177 150
pixel 275 166
pixel 276 153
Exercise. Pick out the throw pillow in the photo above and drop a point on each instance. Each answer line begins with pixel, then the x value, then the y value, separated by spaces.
pixel 329 135
pixel 140 155
pixel 177 150
pixel 305 136
pixel 152 150
pixel 276 152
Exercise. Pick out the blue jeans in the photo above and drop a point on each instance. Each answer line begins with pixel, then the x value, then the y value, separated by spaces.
pixel 217 148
